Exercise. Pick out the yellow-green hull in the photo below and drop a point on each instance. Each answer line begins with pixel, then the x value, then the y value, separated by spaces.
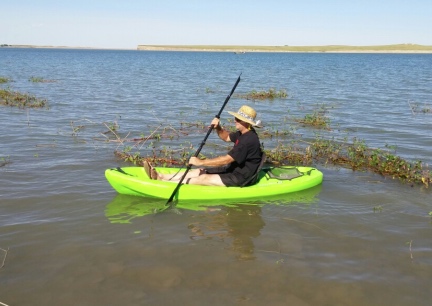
pixel 135 181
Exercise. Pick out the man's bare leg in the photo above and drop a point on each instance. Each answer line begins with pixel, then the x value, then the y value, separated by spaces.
pixel 176 177
pixel 193 177
pixel 206 180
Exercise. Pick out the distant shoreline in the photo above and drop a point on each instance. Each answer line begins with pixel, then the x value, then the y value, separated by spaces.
pixel 399 48
pixel 60 47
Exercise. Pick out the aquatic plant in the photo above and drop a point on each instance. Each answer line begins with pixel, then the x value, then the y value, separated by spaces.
pixel 36 80
pixel 4 161
pixel 4 80
pixel 416 108
pixel 354 154
pixel 164 157
pixel 317 119
pixel 358 156
pixel 17 99
pixel 287 148
pixel 264 95
pixel 4 260
pixel 40 80
pixel 378 208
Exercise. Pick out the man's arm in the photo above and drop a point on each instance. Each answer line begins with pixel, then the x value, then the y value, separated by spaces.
pixel 211 162
pixel 224 135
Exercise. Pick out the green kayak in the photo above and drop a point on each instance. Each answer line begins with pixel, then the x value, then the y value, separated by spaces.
pixel 272 181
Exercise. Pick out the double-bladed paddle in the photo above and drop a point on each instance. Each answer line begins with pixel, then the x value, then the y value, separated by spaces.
pixel 203 142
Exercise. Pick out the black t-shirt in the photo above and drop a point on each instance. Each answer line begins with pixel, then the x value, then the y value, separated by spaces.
pixel 246 153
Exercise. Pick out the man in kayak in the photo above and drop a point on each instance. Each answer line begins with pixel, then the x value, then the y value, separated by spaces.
pixel 237 167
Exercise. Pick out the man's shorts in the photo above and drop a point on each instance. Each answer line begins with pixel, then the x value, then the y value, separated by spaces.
pixel 227 178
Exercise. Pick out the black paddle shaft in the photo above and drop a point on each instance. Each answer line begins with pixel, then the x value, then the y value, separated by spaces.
pixel 204 140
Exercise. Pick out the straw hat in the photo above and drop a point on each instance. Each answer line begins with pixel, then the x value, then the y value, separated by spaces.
pixel 247 114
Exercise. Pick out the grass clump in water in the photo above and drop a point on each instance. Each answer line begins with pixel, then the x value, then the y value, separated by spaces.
pixel 4 80
pixel 40 80
pixel 4 161
pixel 317 120
pixel 358 156
pixel 17 99
pixel 270 94
pixel 416 108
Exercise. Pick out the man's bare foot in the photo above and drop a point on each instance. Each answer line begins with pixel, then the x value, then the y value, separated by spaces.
pixel 150 170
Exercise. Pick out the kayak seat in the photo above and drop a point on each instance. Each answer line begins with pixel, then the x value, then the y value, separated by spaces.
pixel 285 173
pixel 254 177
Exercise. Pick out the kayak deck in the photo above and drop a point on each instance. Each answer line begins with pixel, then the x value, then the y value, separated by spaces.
pixel 135 181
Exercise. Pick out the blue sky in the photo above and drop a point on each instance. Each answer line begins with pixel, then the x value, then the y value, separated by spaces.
pixel 126 24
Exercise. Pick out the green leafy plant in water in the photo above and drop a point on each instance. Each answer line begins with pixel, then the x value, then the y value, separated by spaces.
pixel 355 155
pixel 427 110
pixel 4 161
pixel 265 95
pixel 12 98
pixel 36 80
pixel 113 126
pixel 416 108
pixel 40 80
pixel 377 208
pixel 4 80
pixel 317 119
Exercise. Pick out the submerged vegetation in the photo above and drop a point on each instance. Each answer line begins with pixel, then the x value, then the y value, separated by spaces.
pixel 355 155
pixel 317 120
pixel 347 153
pixel 264 95
pixel 288 147
pixel 17 99
pixel 4 80
pixel 40 80
pixel 4 161
pixel 12 98
pixel 416 108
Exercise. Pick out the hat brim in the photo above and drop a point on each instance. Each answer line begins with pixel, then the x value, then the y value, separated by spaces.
pixel 240 117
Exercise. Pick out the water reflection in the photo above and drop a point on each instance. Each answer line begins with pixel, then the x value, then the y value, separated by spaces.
pixel 244 224
pixel 234 224
pixel 237 225
pixel 125 208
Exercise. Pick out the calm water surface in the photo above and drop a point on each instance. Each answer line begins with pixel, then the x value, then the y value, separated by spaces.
pixel 358 239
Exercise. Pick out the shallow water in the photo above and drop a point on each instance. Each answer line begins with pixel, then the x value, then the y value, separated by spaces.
pixel 358 239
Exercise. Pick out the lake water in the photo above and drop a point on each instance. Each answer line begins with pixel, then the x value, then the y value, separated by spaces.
pixel 66 238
